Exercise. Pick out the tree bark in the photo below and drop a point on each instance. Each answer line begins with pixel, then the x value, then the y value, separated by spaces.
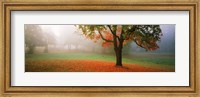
pixel 118 51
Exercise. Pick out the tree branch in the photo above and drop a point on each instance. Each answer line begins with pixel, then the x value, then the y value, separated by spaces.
pixel 139 44
pixel 113 32
pixel 121 35
pixel 128 36
pixel 103 37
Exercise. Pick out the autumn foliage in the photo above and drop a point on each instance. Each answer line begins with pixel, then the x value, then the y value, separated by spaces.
pixel 86 66
pixel 145 36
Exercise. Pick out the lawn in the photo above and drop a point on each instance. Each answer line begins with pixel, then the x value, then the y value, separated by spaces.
pixel 92 62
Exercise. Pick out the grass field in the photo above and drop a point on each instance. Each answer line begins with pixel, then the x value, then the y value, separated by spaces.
pixel 91 62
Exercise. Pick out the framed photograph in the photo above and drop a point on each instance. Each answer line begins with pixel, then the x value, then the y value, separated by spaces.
pixel 100 48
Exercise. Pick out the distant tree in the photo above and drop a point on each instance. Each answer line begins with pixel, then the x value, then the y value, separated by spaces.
pixel 145 36
pixel 49 38
pixel 73 40
pixel 69 44
pixel 33 37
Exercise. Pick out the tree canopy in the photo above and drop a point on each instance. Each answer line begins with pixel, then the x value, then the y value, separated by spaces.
pixel 145 36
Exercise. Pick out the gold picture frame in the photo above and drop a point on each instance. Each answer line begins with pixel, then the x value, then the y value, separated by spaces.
pixel 120 5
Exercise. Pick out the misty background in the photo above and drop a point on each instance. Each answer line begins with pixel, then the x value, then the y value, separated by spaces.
pixel 68 38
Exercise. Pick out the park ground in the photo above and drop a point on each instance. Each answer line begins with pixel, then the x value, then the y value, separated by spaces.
pixel 91 62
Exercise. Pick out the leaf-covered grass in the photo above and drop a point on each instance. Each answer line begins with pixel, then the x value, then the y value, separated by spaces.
pixel 84 61
pixel 86 66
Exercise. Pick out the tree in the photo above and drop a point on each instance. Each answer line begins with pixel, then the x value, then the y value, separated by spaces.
pixel 33 37
pixel 145 36
pixel 49 38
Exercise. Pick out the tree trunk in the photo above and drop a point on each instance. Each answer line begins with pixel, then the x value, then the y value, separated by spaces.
pixel 46 50
pixel 69 46
pixel 46 46
pixel 31 49
pixel 118 53
pixel 118 50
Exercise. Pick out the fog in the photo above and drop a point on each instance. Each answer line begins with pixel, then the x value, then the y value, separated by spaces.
pixel 68 38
